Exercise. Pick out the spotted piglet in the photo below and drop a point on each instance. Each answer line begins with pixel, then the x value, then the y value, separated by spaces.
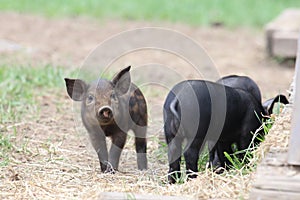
pixel 111 109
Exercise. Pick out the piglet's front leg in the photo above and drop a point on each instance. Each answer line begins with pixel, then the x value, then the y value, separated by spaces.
pixel 98 141
pixel 118 142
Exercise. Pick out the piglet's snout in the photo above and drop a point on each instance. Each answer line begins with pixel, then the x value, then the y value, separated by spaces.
pixel 105 113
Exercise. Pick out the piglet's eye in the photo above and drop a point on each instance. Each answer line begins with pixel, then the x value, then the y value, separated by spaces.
pixel 90 99
pixel 113 96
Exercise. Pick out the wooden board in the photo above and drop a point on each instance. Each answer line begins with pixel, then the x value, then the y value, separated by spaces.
pixel 284 44
pixel 282 34
pixel 276 179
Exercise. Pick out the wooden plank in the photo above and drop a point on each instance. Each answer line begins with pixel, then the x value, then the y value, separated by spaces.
pixel 284 44
pixel 287 22
pixel 275 177
pixel 271 195
pixel 125 196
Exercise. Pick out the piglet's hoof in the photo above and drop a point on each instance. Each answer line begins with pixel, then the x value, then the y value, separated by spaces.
pixel 110 170
pixel 219 170
pixel 171 179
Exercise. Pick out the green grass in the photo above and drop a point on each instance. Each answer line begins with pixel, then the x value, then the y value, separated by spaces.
pixel 5 147
pixel 249 160
pixel 19 89
pixel 196 12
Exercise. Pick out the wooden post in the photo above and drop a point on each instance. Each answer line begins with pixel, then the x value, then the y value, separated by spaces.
pixel 294 145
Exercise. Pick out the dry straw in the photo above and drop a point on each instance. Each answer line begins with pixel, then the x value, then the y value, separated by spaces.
pixel 50 160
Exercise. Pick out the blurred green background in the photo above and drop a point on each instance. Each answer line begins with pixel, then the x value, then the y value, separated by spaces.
pixel 231 13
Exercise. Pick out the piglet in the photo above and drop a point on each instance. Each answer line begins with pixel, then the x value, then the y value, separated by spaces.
pixel 111 109
pixel 196 111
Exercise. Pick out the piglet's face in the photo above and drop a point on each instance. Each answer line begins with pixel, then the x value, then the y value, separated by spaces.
pixel 100 99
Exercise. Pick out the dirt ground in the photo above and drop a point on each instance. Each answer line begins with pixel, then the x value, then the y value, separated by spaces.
pixel 53 159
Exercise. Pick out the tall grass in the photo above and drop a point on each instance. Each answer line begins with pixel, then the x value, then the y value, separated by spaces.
pixel 248 162
pixel 196 12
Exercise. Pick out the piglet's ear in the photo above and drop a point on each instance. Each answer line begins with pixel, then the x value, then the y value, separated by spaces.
pixel 76 88
pixel 122 81
pixel 269 104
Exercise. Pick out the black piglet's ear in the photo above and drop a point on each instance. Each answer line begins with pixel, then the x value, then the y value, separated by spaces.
pixel 269 104
pixel 122 81
pixel 76 88
pixel 278 99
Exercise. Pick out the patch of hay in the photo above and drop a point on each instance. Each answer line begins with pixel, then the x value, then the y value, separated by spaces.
pixel 50 160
